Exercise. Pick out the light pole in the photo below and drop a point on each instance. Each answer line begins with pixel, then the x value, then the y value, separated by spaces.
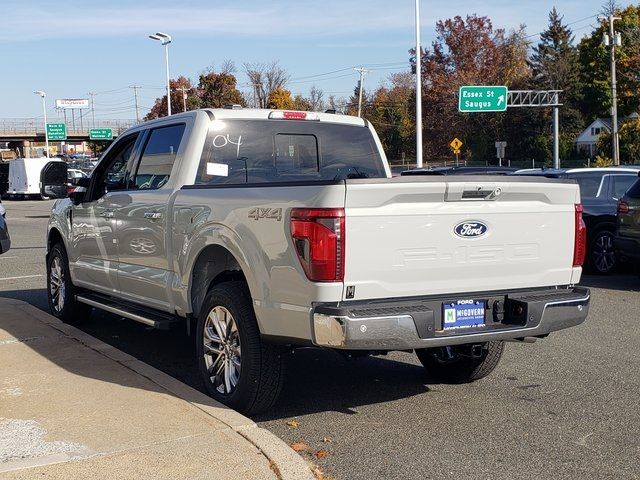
pixel 43 95
pixel 613 40
pixel 418 90
pixel 361 71
pixel 165 40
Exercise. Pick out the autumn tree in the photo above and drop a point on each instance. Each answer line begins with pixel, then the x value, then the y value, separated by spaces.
pixel 265 78
pixel 316 101
pixel 219 89
pixel 159 108
pixel 280 99
pixel 470 51
pixel 392 113
pixel 301 102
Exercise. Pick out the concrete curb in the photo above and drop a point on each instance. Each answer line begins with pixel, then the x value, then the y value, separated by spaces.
pixel 287 463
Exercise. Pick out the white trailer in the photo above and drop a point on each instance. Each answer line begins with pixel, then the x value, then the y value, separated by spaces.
pixel 26 176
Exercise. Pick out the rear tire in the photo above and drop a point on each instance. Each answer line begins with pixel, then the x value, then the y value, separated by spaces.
pixel 61 293
pixel 455 364
pixel 237 367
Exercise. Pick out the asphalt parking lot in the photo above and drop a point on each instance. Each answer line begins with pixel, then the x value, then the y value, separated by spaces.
pixel 564 407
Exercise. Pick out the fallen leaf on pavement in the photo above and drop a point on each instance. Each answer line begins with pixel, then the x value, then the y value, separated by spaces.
pixel 327 440
pixel 300 447
pixel 293 423
pixel 321 454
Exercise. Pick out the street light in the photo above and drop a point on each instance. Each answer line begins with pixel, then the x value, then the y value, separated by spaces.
pixel 44 110
pixel 418 90
pixel 165 40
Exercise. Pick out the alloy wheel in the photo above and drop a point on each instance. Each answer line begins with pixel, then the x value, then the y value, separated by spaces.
pixel 57 286
pixel 603 255
pixel 222 352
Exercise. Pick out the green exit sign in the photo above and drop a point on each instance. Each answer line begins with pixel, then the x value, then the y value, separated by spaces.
pixel 56 131
pixel 100 134
pixel 483 98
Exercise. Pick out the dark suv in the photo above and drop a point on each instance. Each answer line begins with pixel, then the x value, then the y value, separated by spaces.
pixel 627 239
pixel 600 190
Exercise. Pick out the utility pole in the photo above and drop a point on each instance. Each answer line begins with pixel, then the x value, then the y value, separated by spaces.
pixel 184 97
pixel 135 96
pixel 612 40
pixel 418 90
pixel 93 110
pixel 362 72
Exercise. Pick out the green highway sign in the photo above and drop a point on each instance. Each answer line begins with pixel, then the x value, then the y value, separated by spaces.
pixel 56 131
pixel 483 98
pixel 100 134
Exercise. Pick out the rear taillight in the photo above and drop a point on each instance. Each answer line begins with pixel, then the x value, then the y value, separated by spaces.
pixel 318 237
pixel 580 240
pixel 623 206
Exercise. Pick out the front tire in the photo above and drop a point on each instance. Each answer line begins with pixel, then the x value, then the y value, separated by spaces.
pixel 61 293
pixel 459 364
pixel 237 367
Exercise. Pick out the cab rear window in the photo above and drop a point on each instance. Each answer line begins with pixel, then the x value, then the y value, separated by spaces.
pixel 258 151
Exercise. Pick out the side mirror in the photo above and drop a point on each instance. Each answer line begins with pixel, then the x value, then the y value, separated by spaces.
pixel 53 180
pixel 80 190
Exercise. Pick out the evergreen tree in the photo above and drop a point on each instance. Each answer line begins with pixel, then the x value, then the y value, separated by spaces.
pixel 556 66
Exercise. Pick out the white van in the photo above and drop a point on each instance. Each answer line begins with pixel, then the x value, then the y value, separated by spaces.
pixel 42 177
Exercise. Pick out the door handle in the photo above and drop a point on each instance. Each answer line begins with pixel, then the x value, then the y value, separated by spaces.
pixel 153 215
pixel 107 214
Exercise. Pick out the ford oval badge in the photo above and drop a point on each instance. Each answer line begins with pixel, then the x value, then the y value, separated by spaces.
pixel 470 229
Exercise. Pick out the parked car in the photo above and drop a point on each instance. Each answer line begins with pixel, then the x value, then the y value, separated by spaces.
pixel 263 231
pixel 5 239
pixel 627 238
pixel 600 190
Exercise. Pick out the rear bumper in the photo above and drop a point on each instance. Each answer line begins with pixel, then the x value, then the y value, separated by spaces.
pixel 417 323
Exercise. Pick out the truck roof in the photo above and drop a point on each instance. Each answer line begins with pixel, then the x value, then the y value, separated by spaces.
pixel 240 113
pixel 267 114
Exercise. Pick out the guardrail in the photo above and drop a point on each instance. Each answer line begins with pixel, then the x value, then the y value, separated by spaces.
pixel 15 127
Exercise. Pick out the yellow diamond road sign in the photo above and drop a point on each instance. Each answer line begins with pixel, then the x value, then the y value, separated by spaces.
pixel 456 144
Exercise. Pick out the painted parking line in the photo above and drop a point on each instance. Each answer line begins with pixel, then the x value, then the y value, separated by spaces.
pixel 6 257
pixel 21 277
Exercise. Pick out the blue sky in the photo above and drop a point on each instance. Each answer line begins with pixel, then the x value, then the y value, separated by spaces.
pixel 69 48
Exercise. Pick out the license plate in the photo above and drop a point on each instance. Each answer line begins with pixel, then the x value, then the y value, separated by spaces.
pixel 463 314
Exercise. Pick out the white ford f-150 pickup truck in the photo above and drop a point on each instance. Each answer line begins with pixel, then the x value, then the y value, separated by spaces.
pixel 267 230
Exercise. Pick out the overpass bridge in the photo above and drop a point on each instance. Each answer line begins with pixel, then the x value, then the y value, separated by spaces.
pixel 28 133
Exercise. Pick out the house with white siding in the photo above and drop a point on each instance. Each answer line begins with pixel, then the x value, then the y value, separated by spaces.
pixel 587 141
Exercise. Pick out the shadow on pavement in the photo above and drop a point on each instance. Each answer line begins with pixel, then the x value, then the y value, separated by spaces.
pixel 628 282
pixel 322 380
pixel 316 380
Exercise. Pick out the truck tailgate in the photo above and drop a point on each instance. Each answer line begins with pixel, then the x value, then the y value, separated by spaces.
pixel 413 236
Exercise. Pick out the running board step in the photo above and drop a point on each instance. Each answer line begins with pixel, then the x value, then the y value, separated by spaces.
pixel 159 320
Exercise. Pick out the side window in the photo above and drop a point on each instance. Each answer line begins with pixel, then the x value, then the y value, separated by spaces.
pixel 634 191
pixel 589 183
pixel 621 184
pixel 112 170
pixel 158 157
